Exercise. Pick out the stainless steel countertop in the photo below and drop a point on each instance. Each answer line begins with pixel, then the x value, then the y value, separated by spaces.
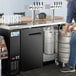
pixel 31 26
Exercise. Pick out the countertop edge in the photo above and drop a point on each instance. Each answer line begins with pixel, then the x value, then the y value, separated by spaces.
pixel 30 26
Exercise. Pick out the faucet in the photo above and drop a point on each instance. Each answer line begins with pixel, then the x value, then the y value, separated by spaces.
pixel 33 17
pixel 53 15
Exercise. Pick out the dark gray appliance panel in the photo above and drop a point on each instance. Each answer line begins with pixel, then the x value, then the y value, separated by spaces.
pixel 14 46
pixel 31 48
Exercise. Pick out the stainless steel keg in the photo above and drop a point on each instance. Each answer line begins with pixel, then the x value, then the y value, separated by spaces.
pixel 48 41
pixel 48 53
pixel 64 47
pixel 56 40
pixel 48 57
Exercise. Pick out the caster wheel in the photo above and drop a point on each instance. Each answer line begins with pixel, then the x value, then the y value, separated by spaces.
pixel 56 62
pixel 63 64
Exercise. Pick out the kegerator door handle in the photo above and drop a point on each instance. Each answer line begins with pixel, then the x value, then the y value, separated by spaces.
pixel 37 33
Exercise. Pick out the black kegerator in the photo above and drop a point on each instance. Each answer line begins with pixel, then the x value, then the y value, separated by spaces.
pixel 10 66
pixel 25 50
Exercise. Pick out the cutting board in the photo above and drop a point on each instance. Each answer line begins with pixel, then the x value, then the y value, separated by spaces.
pixel 48 18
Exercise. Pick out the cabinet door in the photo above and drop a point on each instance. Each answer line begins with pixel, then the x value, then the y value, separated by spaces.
pixel 31 48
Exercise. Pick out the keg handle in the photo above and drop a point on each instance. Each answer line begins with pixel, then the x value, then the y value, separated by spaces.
pixel 60 27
